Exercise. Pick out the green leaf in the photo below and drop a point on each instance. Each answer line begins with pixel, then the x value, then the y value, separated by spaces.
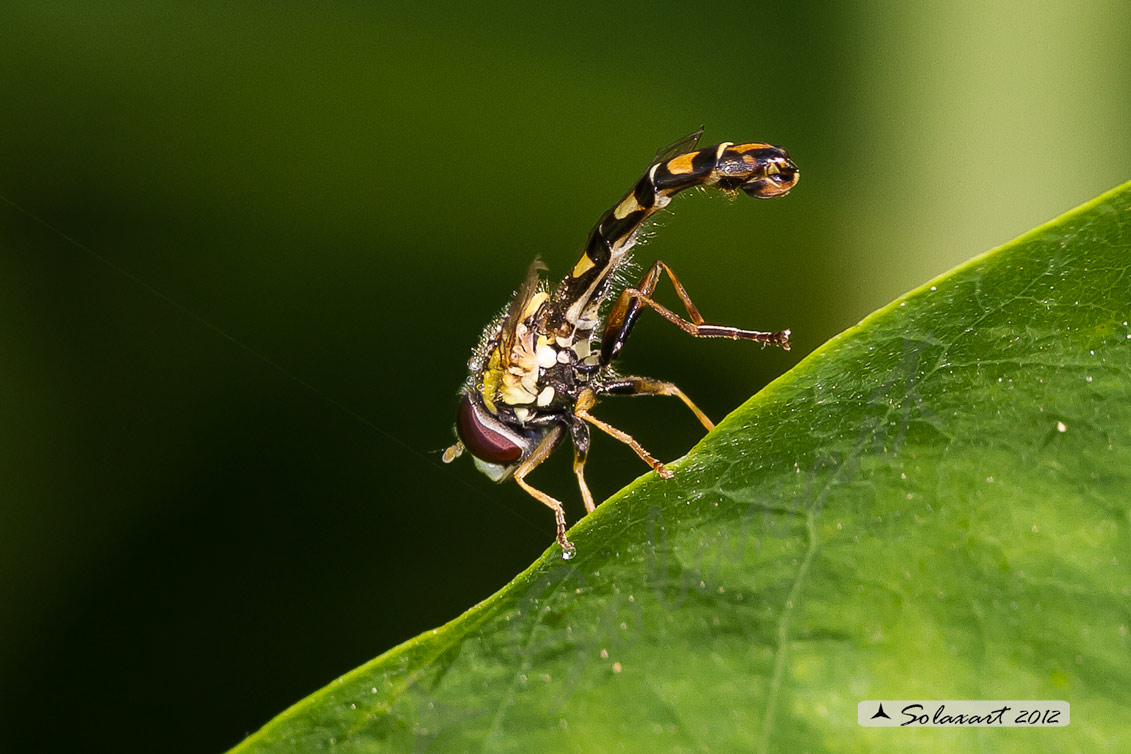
pixel 933 505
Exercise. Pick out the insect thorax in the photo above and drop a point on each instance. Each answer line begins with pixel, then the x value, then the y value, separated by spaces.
pixel 533 374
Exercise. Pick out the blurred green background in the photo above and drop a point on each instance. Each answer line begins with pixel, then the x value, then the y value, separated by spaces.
pixel 245 252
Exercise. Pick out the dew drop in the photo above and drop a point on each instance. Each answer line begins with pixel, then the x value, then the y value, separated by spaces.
pixel 568 554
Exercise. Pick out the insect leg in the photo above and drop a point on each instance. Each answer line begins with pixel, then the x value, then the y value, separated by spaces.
pixel 631 300
pixel 540 454
pixel 649 386
pixel 579 433
pixel 581 410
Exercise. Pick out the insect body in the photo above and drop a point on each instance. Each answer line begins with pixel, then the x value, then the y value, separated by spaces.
pixel 541 366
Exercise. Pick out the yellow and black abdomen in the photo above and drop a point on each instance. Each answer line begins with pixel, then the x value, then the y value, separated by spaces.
pixel 760 170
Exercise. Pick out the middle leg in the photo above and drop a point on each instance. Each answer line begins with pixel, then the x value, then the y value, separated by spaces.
pixel 579 434
pixel 587 400
pixel 648 386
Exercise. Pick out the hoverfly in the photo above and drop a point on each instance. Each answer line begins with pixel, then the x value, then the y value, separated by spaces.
pixel 542 364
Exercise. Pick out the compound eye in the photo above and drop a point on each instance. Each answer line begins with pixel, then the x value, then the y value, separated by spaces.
pixel 484 435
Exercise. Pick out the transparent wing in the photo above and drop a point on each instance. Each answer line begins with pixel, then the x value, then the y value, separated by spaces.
pixel 679 146
pixel 526 292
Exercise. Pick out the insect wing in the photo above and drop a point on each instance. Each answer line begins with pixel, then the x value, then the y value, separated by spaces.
pixel 679 146
pixel 518 306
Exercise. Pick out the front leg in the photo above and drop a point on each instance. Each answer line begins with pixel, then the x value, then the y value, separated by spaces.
pixel 535 459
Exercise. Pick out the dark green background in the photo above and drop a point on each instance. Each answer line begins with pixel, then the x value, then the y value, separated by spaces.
pixel 256 245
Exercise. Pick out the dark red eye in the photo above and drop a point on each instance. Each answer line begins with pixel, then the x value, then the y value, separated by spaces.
pixel 483 436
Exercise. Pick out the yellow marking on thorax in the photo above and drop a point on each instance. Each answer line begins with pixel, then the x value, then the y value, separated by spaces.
pixel 492 378
pixel 536 301
pixel 681 165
